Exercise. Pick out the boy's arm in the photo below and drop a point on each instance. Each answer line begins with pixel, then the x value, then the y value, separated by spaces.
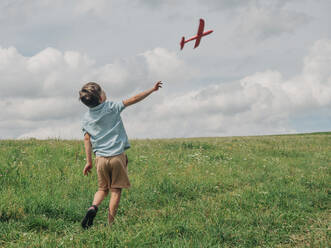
pixel 142 95
pixel 88 152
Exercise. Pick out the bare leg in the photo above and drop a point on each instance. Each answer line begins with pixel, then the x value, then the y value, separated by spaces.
pixel 99 196
pixel 92 211
pixel 113 204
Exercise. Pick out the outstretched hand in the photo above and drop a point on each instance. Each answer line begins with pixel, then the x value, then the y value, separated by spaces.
pixel 157 86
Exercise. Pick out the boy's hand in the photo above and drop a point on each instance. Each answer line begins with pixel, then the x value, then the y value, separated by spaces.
pixel 157 86
pixel 87 169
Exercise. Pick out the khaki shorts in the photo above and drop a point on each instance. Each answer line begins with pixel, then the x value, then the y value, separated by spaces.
pixel 112 172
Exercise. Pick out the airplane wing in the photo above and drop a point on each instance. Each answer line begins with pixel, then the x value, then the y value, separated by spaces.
pixel 200 32
pixel 201 27
pixel 197 42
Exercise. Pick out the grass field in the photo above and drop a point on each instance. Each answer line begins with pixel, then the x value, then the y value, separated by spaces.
pixel 268 191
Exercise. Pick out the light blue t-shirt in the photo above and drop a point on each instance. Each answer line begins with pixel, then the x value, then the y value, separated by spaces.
pixel 105 126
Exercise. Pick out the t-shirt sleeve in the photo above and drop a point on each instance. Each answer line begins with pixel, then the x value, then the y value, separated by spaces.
pixel 84 131
pixel 82 124
pixel 117 106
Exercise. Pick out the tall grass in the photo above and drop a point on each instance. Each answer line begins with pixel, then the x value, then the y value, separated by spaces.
pixel 271 191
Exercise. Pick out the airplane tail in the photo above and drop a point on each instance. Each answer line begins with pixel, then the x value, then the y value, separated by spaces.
pixel 182 43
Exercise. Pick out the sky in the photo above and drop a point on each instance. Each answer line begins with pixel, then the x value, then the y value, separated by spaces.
pixel 264 70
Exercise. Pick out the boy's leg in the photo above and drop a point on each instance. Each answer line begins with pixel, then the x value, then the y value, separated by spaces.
pixel 113 204
pixel 92 211
pixel 99 196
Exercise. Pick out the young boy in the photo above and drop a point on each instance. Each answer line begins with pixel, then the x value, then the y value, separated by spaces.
pixel 105 134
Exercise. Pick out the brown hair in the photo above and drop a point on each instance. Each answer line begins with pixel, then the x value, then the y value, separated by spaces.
pixel 90 94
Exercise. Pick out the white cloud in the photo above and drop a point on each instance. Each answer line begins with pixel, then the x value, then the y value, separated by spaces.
pixel 39 109
pixel 48 73
pixel 167 66
pixel 261 103
pixel 44 87
pixel 313 87
pixel 55 74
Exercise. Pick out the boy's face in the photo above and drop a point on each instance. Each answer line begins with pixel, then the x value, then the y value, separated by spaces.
pixel 103 96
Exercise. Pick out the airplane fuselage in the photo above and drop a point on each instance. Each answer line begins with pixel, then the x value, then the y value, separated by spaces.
pixel 198 36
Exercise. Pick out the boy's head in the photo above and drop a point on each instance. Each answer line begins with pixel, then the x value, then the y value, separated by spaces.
pixel 92 95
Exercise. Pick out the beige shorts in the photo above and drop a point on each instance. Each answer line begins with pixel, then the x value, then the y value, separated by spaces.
pixel 112 172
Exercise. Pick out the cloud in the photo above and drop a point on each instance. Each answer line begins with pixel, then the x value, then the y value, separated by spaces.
pixel 221 5
pixel 48 73
pixel 52 73
pixel 39 109
pixel 166 65
pixel 157 3
pixel 313 87
pixel 261 103
pixel 96 7
pixel 59 129
pixel 139 72
pixel 250 106
pixel 44 87
pixel 261 21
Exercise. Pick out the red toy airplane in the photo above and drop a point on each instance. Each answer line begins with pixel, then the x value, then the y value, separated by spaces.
pixel 198 36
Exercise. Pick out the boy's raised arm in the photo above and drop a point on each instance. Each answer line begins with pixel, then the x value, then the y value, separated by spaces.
pixel 142 95
pixel 88 152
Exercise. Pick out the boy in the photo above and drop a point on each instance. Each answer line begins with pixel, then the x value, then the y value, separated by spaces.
pixel 105 134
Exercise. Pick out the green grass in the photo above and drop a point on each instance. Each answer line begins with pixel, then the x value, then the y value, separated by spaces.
pixel 268 191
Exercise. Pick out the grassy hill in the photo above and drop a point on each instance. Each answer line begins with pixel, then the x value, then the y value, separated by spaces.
pixel 268 191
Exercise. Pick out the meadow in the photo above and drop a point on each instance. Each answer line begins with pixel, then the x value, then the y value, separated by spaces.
pixel 263 191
